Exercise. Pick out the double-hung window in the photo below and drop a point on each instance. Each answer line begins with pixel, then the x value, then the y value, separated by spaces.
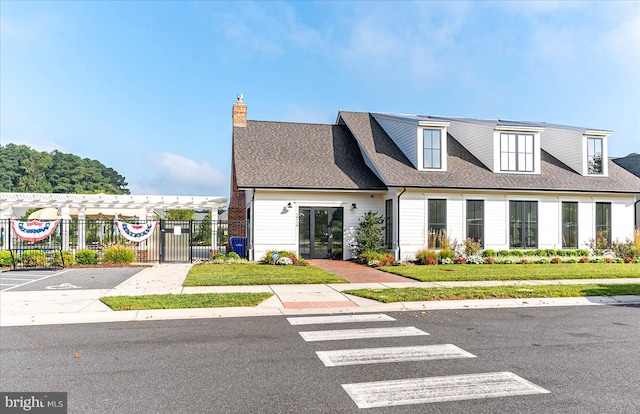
pixel 594 155
pixel 475 220
pixel 569 225
pixel 603 221
pixel 437 222
pixel 523 224
pixel 432 143
pixel 516 152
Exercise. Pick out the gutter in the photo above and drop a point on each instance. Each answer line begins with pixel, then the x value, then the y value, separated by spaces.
pixel 398 232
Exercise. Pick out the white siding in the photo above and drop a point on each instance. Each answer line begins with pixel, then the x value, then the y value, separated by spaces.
pixel 496 221
pixel 549 223
pixel 565 145
pixel 404 134
pixel 413 233
pixel 477 139
pixel 622 219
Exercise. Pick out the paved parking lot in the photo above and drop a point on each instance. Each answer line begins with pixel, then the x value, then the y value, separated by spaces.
pixel 66 279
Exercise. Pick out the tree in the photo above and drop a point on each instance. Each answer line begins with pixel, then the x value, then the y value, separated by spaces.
pixel 370 233
pixel 179 214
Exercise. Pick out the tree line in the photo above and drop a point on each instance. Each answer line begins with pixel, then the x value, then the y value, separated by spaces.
pixel 26 170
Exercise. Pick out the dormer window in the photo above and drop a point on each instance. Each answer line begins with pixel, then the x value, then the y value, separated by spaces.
pixel 594 155
pixel 432 144
pixel 516 152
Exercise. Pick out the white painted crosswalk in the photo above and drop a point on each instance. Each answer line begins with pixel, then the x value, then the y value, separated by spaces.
pixel 440 389
pixel 414 390
pixel 391 354
pixel 342 334
pixel 313 320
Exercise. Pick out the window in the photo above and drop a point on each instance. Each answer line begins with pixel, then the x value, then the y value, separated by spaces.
pixel 388 223
pixel 475 220
pixel 516 152
pixel 603 221
pixel 594 155
pixel 437 223
pixel 569 225
pixel 523 224
pixel 432 143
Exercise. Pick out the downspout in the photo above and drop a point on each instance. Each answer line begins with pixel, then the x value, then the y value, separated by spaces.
pixel 398 232
pixel 635 214
pixel 253 196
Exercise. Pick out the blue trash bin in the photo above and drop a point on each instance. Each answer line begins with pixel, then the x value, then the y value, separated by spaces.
pixel 239 246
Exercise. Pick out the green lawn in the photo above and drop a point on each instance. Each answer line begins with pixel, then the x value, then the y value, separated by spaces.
pixel 195 300
pixel 254 274
pixel 439 273
pixel 494 292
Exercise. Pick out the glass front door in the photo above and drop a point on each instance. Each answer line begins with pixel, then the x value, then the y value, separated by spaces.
pixel 320 233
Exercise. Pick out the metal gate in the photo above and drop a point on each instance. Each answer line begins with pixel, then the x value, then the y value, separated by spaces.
pixel 175 241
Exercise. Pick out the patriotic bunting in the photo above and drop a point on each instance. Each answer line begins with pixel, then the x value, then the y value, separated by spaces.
pixel 136 232
pixel 34 230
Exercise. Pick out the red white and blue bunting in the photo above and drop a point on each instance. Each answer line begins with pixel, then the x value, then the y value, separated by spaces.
pixel 136 232
pixel 34 230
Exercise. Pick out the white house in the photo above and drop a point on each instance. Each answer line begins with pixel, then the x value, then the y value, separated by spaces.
pixel 510 184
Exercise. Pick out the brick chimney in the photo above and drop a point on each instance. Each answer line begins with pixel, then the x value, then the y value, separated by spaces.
pixel 239 113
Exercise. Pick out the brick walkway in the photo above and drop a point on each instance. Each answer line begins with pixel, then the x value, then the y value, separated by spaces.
pixel 357 273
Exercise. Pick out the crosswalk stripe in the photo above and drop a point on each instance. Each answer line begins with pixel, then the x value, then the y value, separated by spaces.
pixel 391 354
pixel 440 389
pixel 312 320
pixel 340 334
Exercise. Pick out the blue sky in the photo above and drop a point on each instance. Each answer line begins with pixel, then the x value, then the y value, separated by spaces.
pixel 147 87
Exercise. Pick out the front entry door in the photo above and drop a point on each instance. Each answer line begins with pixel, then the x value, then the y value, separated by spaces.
pixel 320 232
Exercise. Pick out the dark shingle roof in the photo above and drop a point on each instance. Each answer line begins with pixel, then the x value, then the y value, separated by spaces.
pixel 295 155
pixel 630 163
pixel 466 171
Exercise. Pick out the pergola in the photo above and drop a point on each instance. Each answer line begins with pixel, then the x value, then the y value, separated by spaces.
pixel 144 204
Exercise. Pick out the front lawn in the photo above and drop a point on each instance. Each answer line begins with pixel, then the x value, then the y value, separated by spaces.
pixel 255 274
pixel 464 272
pixel 494 292
pixel 195 300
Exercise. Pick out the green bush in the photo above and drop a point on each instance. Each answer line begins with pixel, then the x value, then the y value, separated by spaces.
pixel 62 259
pixel 503 253
pixel 118 254
pixel 87 256
pixel 233 256
pixel 424 254
pixel 583 252
pixel 377 259
pixel 550 252
pixel 489 253
pixel 297 261
pixel 369 234
pixel 218 256
pixel 5 258
pixel 33 258
pixel 537 252
pixel 446 254
pixel 516 253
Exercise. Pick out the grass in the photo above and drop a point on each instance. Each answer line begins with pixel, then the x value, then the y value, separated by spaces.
pixel 494 292
pixel 254 274
pixel 452 272
pixel 184 301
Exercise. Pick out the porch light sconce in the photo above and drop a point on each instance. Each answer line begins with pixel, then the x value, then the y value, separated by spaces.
pixel 289 206
pixel 353 206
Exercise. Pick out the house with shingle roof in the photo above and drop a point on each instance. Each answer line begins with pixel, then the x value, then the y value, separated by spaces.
pixel 631 163
pixel 507 184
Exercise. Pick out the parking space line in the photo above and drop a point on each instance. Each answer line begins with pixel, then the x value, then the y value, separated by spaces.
pixel 36 280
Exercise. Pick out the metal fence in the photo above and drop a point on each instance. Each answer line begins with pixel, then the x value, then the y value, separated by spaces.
pixel 171 241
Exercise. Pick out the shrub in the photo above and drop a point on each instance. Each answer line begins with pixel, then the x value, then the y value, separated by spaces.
pixel 489 260
pixel 87 256
pixel 542 260
pixel 118 254
pixel 507 261
pixel 516 253
pixel 268 256
pixel 218 257
pixel 459 260
pixel 582 252
pixel 503 253
pixel 233 256
pixel 475 259
pixel 549 252
pixel 625 249
pixel 556 260
pixel 369 234
pixel 562 253
pixel 430 261
pixel 446 254
pixel 572 260
pixel 608 260
pixel 584 260
pixel 489 253
pixel 423 254
pixel 524 261
pixel 5 258
pixel 32 258
pixel 472 247
pixel 439 240
pixel 64 258
pixel 628 259
pixel 536 252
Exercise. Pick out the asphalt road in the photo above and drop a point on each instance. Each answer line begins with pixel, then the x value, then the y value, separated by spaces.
pixel 65 279
pixel 586 357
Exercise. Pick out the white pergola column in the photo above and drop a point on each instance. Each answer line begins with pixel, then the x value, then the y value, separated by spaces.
pixel 82 228
pixel 5 226
pixel 64 231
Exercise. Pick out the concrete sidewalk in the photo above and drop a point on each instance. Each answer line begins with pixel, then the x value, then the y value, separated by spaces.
pixel 84 306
